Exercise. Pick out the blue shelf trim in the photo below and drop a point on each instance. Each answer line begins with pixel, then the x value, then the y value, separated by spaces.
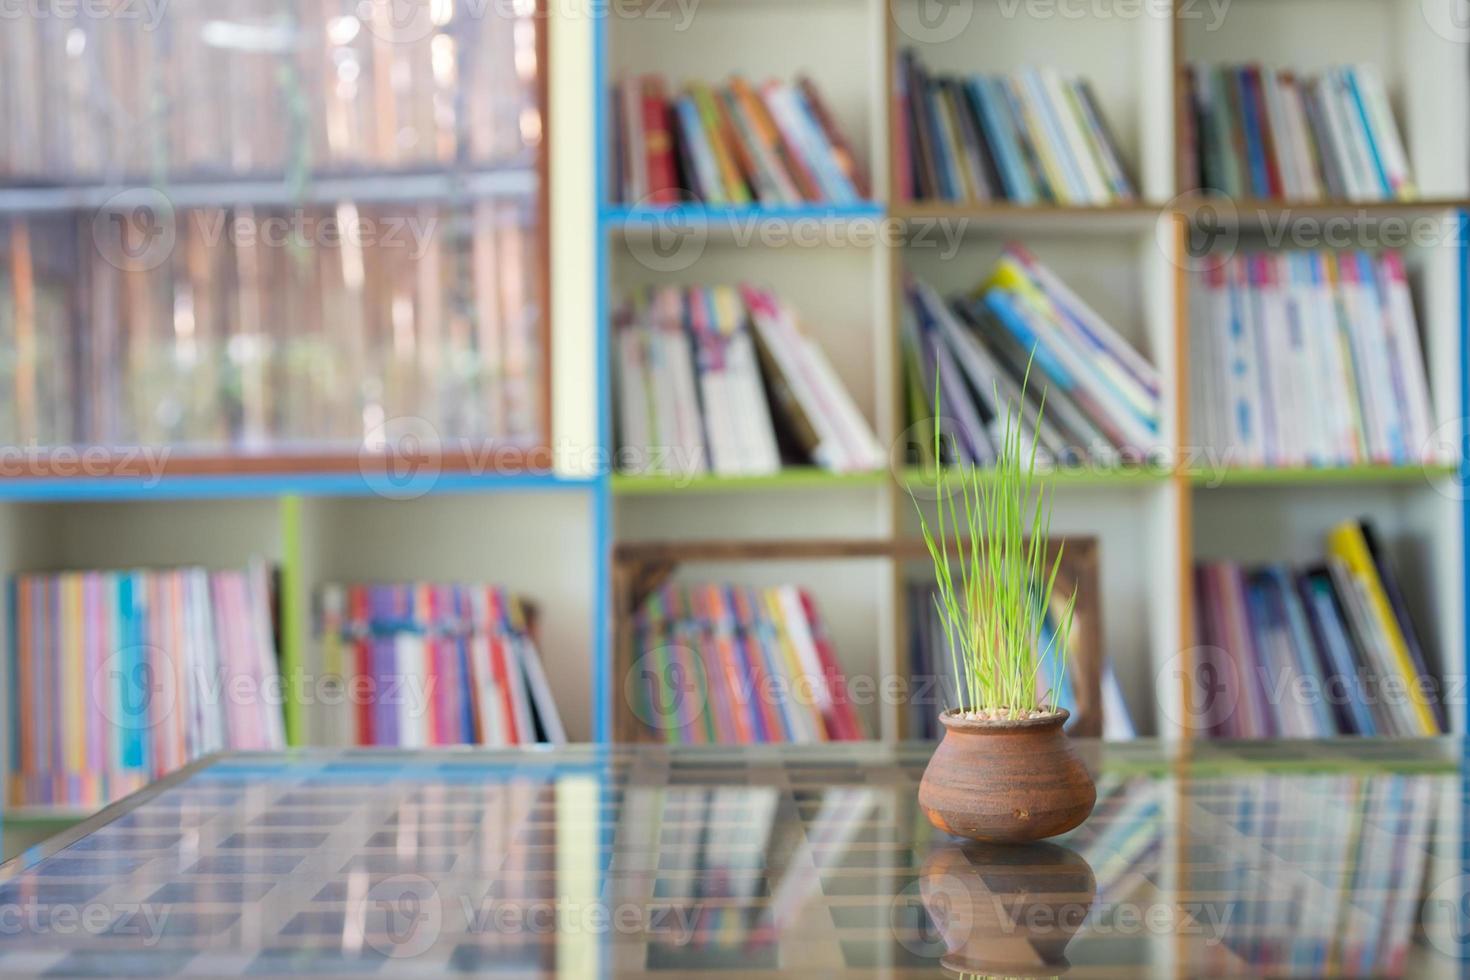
pixel 622 216
pixel 273 485
pixel 1463 219
pixel 602 630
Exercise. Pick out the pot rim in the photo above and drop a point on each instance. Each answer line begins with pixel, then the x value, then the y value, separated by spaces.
pixel 952 721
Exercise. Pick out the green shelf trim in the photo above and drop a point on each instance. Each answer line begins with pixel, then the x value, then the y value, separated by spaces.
pixel 1309 475
pixel 628 485
pixel 1067 476
pixel 293 615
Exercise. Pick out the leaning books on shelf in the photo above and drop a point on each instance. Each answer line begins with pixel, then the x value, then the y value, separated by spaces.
pixel 118 678
pixel 1024 328
pixel 1329 649
pixel 1033 136
pixel 1309 358
pixel 1280 135
pixel 437 664
pixel 934 687
pixel 375 312
pixel 739 143
pixel 735 665
pixel 721 379
pixel 257 92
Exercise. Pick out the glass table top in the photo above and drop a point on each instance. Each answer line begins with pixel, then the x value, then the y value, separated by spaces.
pixel 1288 859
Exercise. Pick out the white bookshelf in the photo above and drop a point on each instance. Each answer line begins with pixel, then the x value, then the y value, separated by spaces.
pixel 1131 262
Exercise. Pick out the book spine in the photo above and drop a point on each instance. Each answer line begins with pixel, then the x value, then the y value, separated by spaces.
pixel 841 149
pixel 658 143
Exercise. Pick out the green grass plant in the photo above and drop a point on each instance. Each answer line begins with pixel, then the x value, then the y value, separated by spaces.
pixel 995 583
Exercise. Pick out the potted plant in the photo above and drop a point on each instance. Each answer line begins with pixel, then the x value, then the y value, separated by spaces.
pixel 1004 770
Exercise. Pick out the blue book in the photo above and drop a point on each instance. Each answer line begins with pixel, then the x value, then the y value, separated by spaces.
pixel 1001 303
pixel 1255 145
pixel 1303 651
pixel 1391 414
pixel 702 170
pixel 943 150
pixel 1350 79
pixel 132 716
pixel 956 402
pixel 1056 134
pixel 1258 663
pixel 839 188
pixel 1334 646
pixel 1255 298
pixel 1048 657
pixel 1033 158
pixel 993 111
pixel 743 649
pixel 1243 405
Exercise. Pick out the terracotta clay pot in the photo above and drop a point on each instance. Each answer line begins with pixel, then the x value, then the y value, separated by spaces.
pixel 1006 781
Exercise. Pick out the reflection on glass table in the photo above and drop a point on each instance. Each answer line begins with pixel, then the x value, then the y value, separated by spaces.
pixel 1287 859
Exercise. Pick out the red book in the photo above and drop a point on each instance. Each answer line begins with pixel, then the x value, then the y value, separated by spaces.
pixel 358 615
pixel 499 668
pixel 762 690
pixel 436 691
pixel 842 721
pixel 1268 142
pixel 658 143
pixel 904 179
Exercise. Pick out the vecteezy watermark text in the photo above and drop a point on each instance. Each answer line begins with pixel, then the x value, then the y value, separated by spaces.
pixel 32 459
pixel 149 12
pixel 140 920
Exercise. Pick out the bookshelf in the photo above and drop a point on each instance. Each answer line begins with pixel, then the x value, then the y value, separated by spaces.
pixel 1132 261
pixel 529 516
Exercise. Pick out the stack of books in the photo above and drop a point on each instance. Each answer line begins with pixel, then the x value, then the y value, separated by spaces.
pixel 1102 396
pixel 118 678
pixel 771 144
pixel 934 687
pixel 1029 137
pixel 257 91
pixel 735 665
pixel 1264 134
pixel 284 329
pixel 1325 650
pixel 721 379
pixel 434 664
pixel 1309 358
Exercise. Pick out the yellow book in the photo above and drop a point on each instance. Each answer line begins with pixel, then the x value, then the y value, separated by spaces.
pixel 800 697
pixel 709 116
pixel 1036 133
pixel 1346 543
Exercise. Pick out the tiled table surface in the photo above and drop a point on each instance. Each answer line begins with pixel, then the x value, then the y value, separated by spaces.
pixel 1285 859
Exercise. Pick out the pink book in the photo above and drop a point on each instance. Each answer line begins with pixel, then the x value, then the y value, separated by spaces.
pixel 842 721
